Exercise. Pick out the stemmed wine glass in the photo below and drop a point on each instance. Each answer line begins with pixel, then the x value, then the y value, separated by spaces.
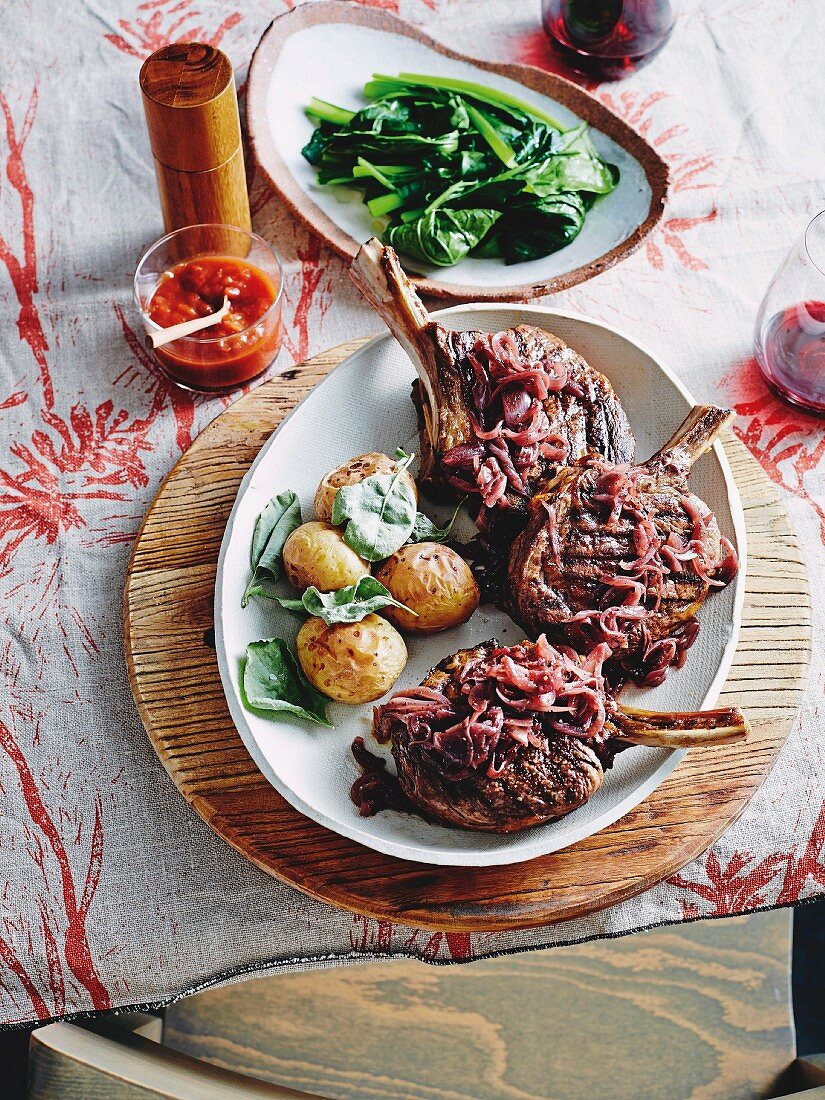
pixel 608 39
pixel 790 326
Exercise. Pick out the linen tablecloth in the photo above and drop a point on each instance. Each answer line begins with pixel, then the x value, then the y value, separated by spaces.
pixel 113 891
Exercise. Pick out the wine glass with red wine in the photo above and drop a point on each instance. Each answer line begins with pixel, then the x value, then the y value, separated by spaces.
pixel 608 39
pixel 790 326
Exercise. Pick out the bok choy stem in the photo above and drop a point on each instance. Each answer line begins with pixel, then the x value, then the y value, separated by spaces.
pixel 481 92
pixel 376 173
pixel 491 136
pixel 385 204
pixel 328 112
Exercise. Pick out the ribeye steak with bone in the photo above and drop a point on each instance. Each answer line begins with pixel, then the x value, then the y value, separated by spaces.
pixel 623 554
pixel 500 411
pixel 502 738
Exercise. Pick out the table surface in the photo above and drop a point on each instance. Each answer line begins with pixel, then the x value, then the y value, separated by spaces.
pixel 113 892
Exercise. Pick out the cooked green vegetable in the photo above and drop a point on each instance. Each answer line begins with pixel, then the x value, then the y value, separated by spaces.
pixel 379 512
pixel 424 530
pixel 460 169
pixel 442 237
pixel 272 528
pixel 346 605
pixel 274 681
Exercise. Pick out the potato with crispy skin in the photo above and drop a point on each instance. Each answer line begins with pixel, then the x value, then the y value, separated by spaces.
pixel 433 581
pixel 350 473
pixel 351 662
pixel 315 553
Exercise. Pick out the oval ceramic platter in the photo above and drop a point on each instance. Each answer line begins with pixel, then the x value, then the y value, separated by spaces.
pixel 300 56
pixel 364 405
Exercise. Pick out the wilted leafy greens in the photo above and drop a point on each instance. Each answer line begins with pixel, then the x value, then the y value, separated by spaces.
pixel 460 168
pixel 273 527
pixel 345 605
pixel 379 512
pixel 274 681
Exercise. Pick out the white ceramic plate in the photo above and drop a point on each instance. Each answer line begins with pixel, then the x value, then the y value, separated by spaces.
pixel 364 405
pixel 300 56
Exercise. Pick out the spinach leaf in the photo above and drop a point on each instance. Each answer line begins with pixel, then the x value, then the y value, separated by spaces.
pixel 386 116
pixel 424 530
pixel 572 172
pixel 442 236
pixel 315 148
pixel 537 227
pixel 458 168
pixel 536 143
pixel 471 164
pixel 490 247
pixel 495 193
pixel 273 527
pixel 577 140
pixel 379 512
pixel 274 681
pixel 346 605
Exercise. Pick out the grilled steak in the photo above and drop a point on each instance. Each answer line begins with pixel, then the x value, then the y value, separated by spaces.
pixel 500 739
pixel 498 412
pixel 543 780
pixel 623 555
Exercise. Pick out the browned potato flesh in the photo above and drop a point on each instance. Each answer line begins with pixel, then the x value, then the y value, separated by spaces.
pixel 432 580
pixel 316 554
pixel 357 469
pixel 351 662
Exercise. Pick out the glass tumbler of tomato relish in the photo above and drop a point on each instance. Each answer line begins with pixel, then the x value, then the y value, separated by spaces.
pixel 186 275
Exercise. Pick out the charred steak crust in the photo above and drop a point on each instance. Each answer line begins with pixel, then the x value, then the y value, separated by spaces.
pixel 624 555
pixel 555 573
pixel 541 783
pixel 588 417
pixel 594 421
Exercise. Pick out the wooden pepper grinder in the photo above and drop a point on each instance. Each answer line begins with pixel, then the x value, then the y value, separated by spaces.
pixel 195 134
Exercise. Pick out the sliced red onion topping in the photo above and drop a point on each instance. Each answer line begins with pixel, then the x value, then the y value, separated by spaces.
pixel 511 429
pixel 509 698
pixel 614 498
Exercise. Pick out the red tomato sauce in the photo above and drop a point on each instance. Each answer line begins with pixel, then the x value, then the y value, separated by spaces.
pixel 235 350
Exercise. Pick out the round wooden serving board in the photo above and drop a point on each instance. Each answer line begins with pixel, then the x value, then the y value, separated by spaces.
pixel 170 654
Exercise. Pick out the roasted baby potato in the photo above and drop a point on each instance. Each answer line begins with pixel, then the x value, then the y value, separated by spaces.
pixel 349 474
pixel 315 553
pixel 351 662
pixel 432 580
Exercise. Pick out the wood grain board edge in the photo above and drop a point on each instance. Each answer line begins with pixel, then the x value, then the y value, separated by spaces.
pixel 207 761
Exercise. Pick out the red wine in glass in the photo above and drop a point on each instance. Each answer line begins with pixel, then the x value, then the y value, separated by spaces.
pixel 608 39
pixel 794 354
pixel 790 338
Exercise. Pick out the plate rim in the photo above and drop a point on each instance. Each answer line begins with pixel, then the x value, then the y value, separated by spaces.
pixel 503 855
pixel 302 206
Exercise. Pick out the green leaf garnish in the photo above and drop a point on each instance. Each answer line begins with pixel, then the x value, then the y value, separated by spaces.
pixel 274 681
pixel 346 605
pixel 273 527
pixel 424 530
pixel 379 512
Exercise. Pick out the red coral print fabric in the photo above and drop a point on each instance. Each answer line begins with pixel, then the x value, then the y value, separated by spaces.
pixel 112 892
